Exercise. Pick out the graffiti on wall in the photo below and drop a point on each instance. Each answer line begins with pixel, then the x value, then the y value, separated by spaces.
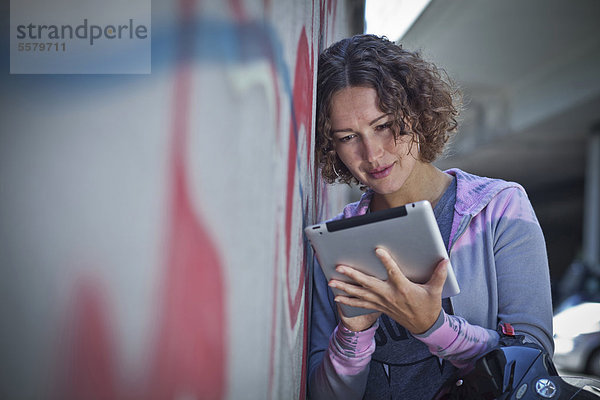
pixel 194 329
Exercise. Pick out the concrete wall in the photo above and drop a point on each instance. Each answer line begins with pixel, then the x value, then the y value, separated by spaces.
pixel 151 226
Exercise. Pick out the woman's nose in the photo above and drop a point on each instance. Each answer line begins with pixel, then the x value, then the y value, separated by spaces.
pixel 373 149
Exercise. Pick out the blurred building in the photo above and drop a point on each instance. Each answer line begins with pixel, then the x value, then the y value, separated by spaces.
pixel 529 74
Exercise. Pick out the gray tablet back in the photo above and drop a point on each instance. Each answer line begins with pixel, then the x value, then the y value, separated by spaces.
pixel 410 233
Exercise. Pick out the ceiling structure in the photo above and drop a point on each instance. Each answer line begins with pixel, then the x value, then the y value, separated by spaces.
pixel 529 72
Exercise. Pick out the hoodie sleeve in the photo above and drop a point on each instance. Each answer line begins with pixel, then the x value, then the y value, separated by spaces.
pixel 454 339
pixel 338 362
pixel 504 267
pixel 344 368
pixel 522 273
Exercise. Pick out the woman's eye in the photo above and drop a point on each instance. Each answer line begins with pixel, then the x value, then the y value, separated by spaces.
pixel 346 138
pixel 385 126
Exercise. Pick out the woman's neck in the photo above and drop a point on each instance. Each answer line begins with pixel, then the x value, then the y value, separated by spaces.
pixel 426 182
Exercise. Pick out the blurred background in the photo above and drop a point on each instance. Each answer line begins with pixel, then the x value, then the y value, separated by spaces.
pixel 151 225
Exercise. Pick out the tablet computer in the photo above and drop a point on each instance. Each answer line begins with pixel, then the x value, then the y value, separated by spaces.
pixel 410 233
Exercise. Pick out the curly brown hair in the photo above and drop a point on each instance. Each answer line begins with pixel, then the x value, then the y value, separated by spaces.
pixel 419 97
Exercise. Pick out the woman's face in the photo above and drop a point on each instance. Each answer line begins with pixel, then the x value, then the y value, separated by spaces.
pixel 363 139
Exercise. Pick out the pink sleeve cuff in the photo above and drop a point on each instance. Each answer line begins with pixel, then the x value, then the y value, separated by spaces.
pixel 441 335
pixel 350 352
pixel 454 339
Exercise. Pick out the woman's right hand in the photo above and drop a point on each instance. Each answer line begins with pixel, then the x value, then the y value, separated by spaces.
pixel 414 306
pixel 360 322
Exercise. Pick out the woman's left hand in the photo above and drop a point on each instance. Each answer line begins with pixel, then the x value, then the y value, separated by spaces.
pixel 414 306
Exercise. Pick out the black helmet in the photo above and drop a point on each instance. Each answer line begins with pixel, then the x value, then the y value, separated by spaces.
pixel 520 372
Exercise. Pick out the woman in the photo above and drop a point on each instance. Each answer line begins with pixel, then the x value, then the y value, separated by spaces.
pixel 383 116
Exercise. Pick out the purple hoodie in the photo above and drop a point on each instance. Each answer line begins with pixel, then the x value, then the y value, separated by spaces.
pixel 498 253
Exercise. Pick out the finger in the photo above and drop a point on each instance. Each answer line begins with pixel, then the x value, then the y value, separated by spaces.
pixel 356 302
pixel 390 265
pixel 438 278
pixel 353 290
pixel 357 276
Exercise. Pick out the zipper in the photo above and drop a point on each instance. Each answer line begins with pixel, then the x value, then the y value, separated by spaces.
pixel 461 230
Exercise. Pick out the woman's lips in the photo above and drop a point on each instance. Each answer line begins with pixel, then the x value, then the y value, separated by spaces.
pixel 381 172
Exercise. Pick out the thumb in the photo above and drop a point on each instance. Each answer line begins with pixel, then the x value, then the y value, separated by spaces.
pixel 439 275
